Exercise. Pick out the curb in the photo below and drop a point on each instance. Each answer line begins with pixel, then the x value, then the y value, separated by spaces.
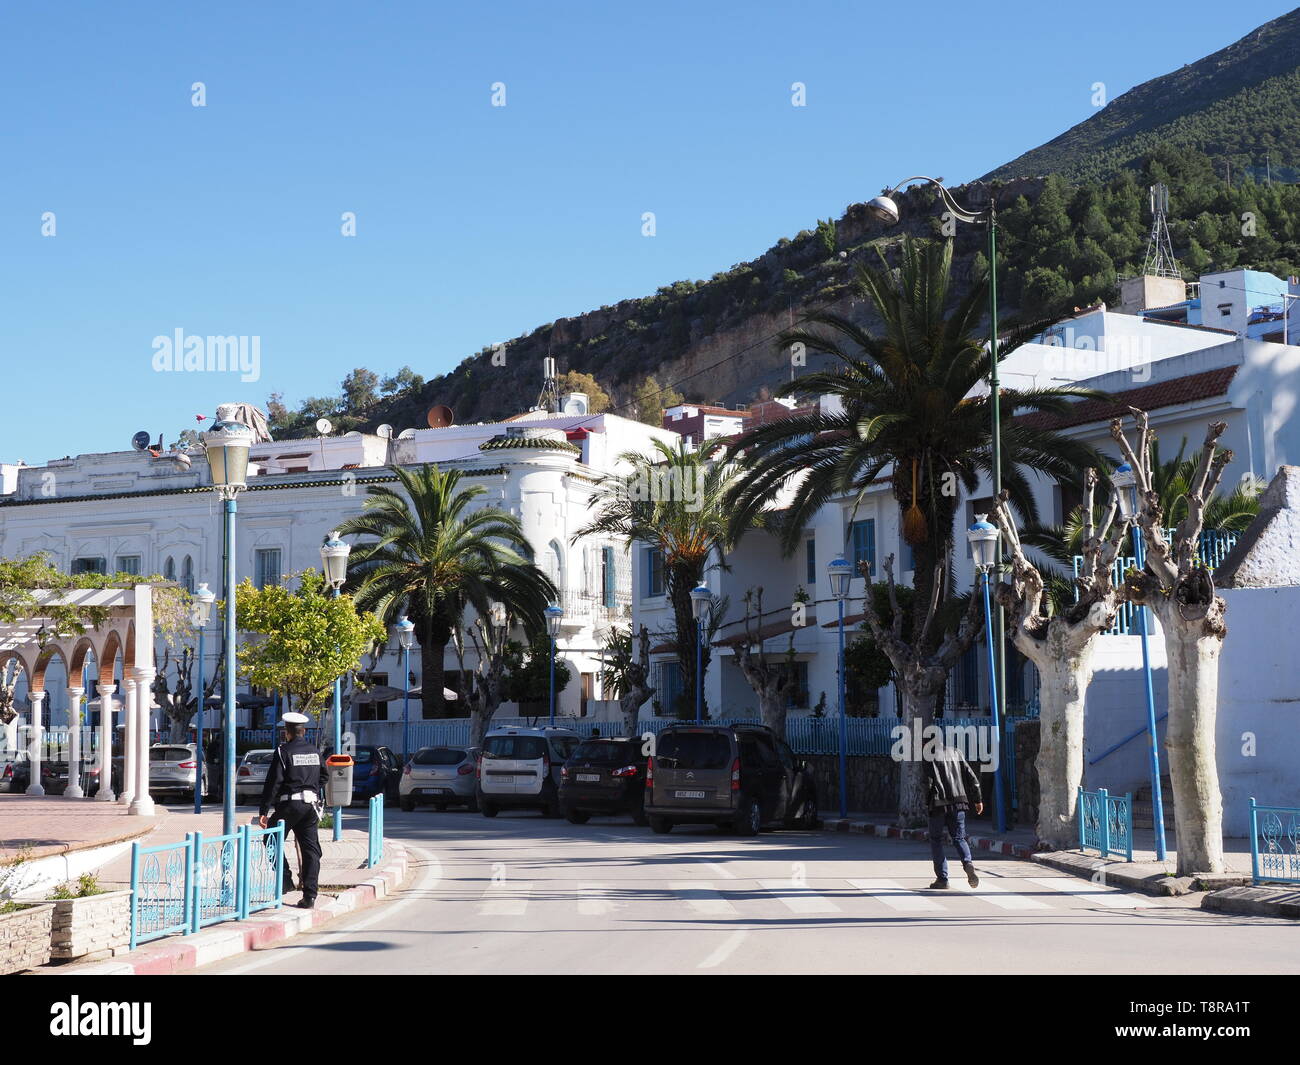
pixel 885 831
pixel 1255 902
pixel 180 953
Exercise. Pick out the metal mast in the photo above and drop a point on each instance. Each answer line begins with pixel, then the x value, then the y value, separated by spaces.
pixel 1160 261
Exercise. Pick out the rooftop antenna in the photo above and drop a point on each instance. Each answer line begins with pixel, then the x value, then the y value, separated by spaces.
pixel 1160 261
pixel 549 398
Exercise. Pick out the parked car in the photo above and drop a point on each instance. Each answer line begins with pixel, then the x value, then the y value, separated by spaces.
pixel 54 776
pixel 604 776
pixel 173 771
pixel 375 770
pixel 250 777
pixel 520 767
pixel 442 776
pixel 739 777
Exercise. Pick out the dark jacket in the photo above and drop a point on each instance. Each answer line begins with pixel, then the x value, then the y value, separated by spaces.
pixel 297 766
pixel 951 781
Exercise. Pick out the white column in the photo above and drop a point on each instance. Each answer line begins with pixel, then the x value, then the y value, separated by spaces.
pixel 73 790
pixel 107 704
pixel 34 786
pixel 128 740
pixel 141 802
pixel 11 735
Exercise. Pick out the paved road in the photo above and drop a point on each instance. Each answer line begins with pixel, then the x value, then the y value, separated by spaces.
pixel 523 894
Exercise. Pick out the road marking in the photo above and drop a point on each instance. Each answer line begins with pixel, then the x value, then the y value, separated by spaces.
pixel 894 895
pixel 996 894
pixel 723 952
pixel 702 898
pixel 798 898
pixel 1085 889
pixel 591 902
pixel 507 899
pixel 720 870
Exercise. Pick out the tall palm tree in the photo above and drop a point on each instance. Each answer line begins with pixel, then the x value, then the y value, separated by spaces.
pixel 673 501
pixel 432 557
pixel 912 410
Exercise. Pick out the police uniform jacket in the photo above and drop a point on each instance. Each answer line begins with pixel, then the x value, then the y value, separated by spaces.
pixel 297 766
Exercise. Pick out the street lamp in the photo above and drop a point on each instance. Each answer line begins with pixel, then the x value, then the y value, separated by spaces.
pixel 405 629
pixel 983 537
pixel 334 560
pixel 554 614
pixel 884 208
pixel 200 615
pixel 840 573
pixel 1124 482
pixel 227 445
pixel 701 599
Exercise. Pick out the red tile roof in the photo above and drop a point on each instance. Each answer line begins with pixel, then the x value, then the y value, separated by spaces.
pixel 1187 389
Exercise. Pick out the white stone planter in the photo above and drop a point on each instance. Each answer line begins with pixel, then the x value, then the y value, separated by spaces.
pixel 96 926
pixel 25 937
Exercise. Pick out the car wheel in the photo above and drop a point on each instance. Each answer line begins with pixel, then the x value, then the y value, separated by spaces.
pixel 809 817
pixel 639 817
pixel 577 817
pixel 487 809
pixel 749 819
pixel 660 825
pixel 472 805
pixel 408 803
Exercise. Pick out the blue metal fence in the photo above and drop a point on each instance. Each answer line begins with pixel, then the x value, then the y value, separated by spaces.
pixel 1106 823
pixel 182 887
pixel 1274 843
pixel 376 854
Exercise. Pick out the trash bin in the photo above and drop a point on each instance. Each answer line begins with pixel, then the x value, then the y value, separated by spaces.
pixel 338 780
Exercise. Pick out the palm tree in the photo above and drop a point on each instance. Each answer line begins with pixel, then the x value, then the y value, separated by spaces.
pixel 672 500
pixel 432 557
pixel 911 409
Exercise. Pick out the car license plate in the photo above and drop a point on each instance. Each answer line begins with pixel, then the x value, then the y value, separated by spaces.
pixel 688 794
pixel 592 778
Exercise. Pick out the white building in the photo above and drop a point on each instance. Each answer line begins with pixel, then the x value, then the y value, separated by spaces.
pixel 136 512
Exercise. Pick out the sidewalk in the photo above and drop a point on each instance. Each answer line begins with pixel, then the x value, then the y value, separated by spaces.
pixel 51 824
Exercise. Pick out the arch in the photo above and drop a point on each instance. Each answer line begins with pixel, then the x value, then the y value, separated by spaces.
pixel 36 678
pixel 128 651
pixel 187 574
pixel 77 660
pixel 108 660
pixel 24 667
pixel 169 569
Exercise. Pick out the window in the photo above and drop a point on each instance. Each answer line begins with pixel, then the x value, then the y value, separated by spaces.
pixel 439 756
pixel 796 691
pixel 608 577
pixel 129 564
pixel 169 569
pixel 266 567
pixel 187 574
pixel 810 552
pixel 862 536
pixel 521 748
pixel 671 685
pixel 89 565
pixel 693 750
pixel 654 572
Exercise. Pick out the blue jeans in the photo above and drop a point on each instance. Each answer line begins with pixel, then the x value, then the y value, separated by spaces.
pixel 955 822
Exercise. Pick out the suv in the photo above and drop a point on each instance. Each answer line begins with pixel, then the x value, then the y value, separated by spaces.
pixel 739 777
pixel 520 767
pixel 173 769
pixel 604 776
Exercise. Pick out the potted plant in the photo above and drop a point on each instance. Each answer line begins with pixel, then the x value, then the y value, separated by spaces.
pixel 89 922
pixel 24 926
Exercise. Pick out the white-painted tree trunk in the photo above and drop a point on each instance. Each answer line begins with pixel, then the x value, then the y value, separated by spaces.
pixel 913 811
pixel 1064 674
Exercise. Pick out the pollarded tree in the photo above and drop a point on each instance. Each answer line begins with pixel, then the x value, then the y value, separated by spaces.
pixel 626 673
pixel 769 677
pixel 1179 589
pixel 1061 646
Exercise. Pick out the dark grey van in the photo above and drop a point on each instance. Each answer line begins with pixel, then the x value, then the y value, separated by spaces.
pixel 738 777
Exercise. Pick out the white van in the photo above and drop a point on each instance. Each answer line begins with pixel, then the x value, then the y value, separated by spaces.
pixel 520 767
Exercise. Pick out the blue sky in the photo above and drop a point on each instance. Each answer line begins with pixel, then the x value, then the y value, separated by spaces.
pixel 474 223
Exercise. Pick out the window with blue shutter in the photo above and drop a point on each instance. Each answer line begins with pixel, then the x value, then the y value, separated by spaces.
pixel 862 535
pixel 811 551
pixel 654 572
pixel 608 576
pixel 267 567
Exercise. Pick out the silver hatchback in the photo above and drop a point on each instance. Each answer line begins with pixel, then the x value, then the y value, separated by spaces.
pixel 250 777
pixel 442 776
pixel 173 769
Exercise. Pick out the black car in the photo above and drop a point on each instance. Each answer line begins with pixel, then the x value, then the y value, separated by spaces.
pixel 54 777
pixel 604 776
pixel 739 777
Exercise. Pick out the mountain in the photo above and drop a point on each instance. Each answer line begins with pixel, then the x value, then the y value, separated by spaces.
pixel 1237 105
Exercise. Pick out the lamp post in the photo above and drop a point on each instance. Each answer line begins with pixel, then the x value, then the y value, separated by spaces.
pixel 405 629
pixel 200 615
pixel 983 537
pixel 701 598
pixel 334 560
pixel 227 445
pixel 554 614
pixel 885 209
pixel 1125 484
pixel 840 573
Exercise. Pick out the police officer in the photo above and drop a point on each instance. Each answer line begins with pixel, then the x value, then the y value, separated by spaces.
pixel 293 784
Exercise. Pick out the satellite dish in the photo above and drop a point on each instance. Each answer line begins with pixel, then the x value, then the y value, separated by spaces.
pixel 440 417
pixel 352 432
pixel 324 427
pixel 406 434
pixel 141 440
pixel 384 431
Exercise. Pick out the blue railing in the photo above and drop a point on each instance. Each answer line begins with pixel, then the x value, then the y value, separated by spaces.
pixel 1106 823
pixel 182 887
pixel 1213 548
pixel 1274 843
pixel 376 854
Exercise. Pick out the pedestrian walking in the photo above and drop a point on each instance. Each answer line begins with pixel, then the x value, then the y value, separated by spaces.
pixel 293 786
pixel 952 788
